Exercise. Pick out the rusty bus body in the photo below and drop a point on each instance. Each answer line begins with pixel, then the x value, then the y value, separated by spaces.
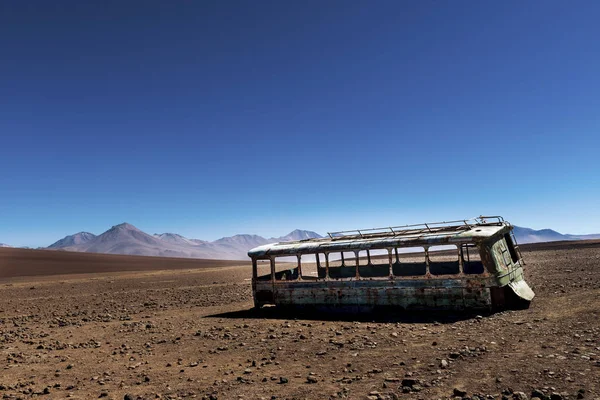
pixel 479 267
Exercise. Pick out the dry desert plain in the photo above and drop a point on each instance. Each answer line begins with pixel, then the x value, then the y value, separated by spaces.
pixel 87 326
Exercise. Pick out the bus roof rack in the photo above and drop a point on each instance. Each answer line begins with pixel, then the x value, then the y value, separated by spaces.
pixel 416 229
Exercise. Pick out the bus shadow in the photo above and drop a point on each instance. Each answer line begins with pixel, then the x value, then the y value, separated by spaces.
pixel 350 315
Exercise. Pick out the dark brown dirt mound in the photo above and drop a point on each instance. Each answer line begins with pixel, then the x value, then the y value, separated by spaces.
pixel 26 262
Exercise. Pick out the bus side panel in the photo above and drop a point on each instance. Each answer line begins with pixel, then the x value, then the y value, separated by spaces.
pixel 403 294
pixel 263 293
pixel 477 298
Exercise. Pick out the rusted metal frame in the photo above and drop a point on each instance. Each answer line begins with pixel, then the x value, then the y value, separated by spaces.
pixel 327 266
pixel 385 232
pixel 429 275
pixel 427 270
pixel 343 264
pixel 318 264
pixel 486 254
pixel 484 218
pixel 272 262
pixel 428 226
pixel 398 277
pixel 351 247
pixel 476 245
pixel 254 278
pixel 405 242
pixel 298 256
pixel 516 246
pixel 362 233
pixel 369 263
pixel 461 272
pixel 254 269
pixel 357 264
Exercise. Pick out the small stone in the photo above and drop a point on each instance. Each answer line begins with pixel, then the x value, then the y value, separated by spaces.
pixel 537 393
pixel 408 382
pixel 311 379
pixel 283 380
pixel 459 392
pixel 443 364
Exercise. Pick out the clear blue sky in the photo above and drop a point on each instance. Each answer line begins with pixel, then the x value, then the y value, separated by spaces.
pixel 210 118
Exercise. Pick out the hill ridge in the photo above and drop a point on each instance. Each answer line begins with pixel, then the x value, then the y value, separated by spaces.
pixel 127 239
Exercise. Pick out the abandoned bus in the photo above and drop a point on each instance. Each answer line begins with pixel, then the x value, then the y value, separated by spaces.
pixel 456 265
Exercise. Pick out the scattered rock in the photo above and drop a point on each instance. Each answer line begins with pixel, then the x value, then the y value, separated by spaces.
pixel 520 396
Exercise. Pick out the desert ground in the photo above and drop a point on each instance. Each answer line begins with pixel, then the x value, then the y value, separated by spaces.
pixel 87 326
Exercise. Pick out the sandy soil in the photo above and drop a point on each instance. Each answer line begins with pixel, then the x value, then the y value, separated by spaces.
pixel 181 330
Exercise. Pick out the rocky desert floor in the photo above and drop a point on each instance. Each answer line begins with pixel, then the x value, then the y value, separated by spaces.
pixel 182 331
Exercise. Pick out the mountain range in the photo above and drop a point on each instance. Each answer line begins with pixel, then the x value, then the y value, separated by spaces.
pixel 528 235
pixel 127 239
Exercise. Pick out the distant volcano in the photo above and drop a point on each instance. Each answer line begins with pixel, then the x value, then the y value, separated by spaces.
pixel 299 235
pixel 528 235
pixel 72 240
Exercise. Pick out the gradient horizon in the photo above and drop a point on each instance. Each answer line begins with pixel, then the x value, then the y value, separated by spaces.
pixel 212 119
